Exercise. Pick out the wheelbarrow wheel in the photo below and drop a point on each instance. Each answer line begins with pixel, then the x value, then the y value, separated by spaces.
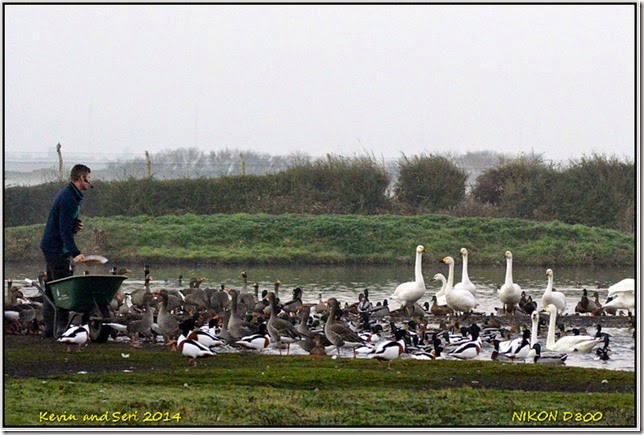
pixel 98 332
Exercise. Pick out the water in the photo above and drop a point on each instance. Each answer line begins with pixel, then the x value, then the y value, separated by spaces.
pixel 346 283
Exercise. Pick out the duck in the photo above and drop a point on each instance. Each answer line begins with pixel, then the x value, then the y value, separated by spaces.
pixel 339 333
pixel 281 331
pixel 206 338
pixel 529 306
pixel 121 271
pixel 379 310
pixel 193 349
pixel 411 292
pixel 438 310
pixel 585 305
pixel 440 295
pixel 458 300
pixel 470 349
pixel 318 349
pixel 292 305
pixel 389 350
pixel 557 299
pixel 255 341
pixel 364 304
pixel 465 283
pixel 536 357
pixel 569 343
pixel 509 293
pixel 76 335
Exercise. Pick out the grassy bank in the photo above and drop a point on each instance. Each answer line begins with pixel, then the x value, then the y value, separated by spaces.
pixel 249 389
pixel 333 239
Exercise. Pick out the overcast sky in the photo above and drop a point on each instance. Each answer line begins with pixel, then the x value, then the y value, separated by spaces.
pixel 383 79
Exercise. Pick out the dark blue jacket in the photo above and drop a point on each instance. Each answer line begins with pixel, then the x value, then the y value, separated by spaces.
pixel 58 238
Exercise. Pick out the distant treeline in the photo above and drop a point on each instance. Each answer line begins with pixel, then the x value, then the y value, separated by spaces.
pixel 594 191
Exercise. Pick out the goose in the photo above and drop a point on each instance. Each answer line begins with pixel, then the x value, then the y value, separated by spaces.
pixel 137 295
pixel 557 299
pixel 440 295
pixel 458 300
pixel 309 337
pixel 465 283
pixel 509 293
pixel 280 330
pixel 389 350
pixel 568 343
pixel 338 333
pixel 196 282
pixel 321 307
pixel 75 335
pixel 140 325
pixel 236 327
pixel 411 292
pixel 168 325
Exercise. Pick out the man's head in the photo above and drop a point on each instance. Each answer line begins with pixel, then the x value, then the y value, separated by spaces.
pixel 80 176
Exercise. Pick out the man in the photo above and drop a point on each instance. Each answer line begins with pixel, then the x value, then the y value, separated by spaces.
pixel 58 243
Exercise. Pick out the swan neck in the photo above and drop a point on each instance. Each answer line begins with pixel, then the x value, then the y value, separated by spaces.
pixel 450 279
pixel 465 275
pixel 533 333
pixel 551 330
pixel 418 269
pixel 549 287
pixel 508 271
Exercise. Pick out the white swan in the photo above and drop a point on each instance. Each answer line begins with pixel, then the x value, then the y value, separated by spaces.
pixel 623 294
pixel 568 343
pixel 440 295
pixel 509 293
pixel 557 299
pixel 465 283
pixel 627 284
pixel 410 292
pixel 458 300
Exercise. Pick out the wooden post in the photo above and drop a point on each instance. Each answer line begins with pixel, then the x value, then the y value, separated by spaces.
pixel 148 164
pixel 60 162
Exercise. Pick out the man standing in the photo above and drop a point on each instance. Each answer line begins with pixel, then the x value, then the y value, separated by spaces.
pixel 57 242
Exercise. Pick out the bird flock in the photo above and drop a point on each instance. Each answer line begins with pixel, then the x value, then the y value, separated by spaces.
pixel 199 322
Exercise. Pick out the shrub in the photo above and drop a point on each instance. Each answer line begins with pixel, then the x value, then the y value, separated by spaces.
pixel 430 183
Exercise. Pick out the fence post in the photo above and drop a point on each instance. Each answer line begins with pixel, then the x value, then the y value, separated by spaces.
pixel 60 162
pixel 148 164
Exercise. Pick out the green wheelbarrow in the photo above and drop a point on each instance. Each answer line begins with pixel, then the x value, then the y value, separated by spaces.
pixel 86 294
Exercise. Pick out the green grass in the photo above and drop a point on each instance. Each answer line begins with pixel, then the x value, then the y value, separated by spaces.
pixel 334 239
pixel 261 390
